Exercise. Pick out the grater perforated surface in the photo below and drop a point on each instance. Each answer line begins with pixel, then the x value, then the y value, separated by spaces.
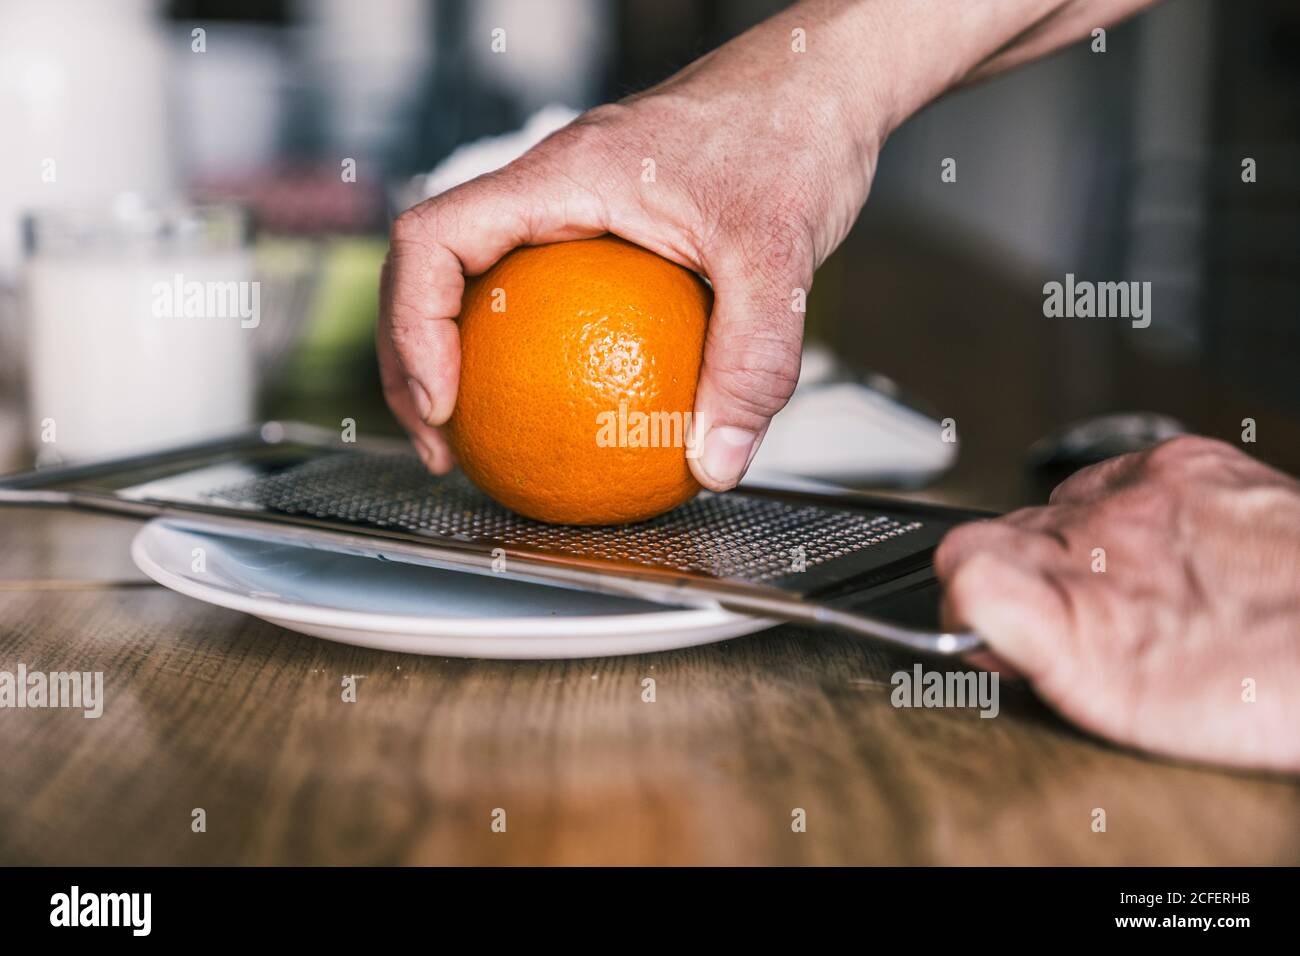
pixel 737 536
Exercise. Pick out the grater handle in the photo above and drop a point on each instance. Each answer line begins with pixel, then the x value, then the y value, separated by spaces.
pixel 781 607
pixel 796 610
pixel 933 642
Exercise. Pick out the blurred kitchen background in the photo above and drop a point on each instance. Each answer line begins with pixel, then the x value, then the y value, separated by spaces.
pixel 1113 166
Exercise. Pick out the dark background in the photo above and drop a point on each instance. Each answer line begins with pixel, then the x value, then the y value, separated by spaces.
pixel 1117 166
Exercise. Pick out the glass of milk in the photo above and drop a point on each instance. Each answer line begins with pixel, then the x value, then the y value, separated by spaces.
pixel 138 326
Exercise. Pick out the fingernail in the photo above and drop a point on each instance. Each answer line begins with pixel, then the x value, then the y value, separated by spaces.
pixel 726 453
pixel 423 404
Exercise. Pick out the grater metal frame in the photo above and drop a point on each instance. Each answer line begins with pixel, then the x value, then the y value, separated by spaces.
pixel 71 486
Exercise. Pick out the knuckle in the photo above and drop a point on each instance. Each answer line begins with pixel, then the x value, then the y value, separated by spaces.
pixel 1062 491
pixel 1177 453
pixel 969 582
pixel 597 133
pixel 964 536
pixel 954 543
pixel 759 371
pixel 416 338
pixel 408 229
pixel 596 122
pixel 1081 480
pixel 1260 503
pixel 757 394
pixel 1044 529
pixel 1136 513
pixel 422 228
pixel 404 339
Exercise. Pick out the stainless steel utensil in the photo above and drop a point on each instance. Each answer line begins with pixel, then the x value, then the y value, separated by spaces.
pixel 809 558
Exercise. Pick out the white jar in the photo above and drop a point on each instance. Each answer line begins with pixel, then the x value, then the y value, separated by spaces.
pixel 138 326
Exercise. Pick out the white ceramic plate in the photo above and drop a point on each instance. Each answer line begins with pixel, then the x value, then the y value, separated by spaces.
pixel 417 610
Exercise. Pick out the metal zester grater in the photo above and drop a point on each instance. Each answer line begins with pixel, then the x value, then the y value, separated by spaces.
pixel 769 553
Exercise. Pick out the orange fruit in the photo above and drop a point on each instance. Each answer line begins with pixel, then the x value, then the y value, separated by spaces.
pixel 577 381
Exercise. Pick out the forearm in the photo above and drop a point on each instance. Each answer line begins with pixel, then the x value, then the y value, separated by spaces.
pixel 902 54
pixel 832 79
pixel 892 57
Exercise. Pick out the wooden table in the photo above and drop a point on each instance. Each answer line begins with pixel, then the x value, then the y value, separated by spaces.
pixel 207 708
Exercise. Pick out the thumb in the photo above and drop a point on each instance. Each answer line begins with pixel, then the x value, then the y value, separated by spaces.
pixel 751 365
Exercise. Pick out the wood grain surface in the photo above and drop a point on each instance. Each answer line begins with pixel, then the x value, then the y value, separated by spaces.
pixel 208 708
